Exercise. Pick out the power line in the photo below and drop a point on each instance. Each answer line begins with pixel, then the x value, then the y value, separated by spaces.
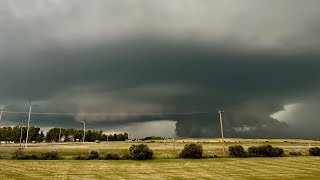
pixel 107 114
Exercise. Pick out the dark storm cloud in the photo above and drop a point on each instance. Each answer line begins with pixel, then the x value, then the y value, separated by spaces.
pixel 152 57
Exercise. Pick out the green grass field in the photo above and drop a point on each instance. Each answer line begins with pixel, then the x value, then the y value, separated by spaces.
pixel 303 167
pixel 165 165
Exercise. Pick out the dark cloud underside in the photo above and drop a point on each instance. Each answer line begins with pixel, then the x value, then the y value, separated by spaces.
pixel 151 57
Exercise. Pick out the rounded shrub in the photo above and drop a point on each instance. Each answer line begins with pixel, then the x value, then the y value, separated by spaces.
pixel 314 151
pixel 93 154
pixel 276 152
pixel 191 151
pixel 140 152
pixel 237 151
pixel 293 153
pixel 253 151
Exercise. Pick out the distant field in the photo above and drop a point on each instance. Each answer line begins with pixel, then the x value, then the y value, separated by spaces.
pixel 304 167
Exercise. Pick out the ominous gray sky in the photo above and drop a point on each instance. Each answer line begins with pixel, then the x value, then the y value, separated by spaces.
pixel 250 58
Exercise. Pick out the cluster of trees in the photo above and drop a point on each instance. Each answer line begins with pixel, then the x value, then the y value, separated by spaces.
pixel 14 134
pixel 70 134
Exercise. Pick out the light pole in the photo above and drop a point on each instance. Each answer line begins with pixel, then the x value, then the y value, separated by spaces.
pixel 84 131
pixel 221 127
pixel 28 123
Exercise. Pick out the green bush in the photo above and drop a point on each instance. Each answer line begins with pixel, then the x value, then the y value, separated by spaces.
pixel 93 154
pixel 314 151
pixel 50 155
pixel 19 154
pixel 29 157
pixel 112 156
pixel 81 157
pixel 295 153
pixel 140 152
pixel 125 156
pixel 191 151
pixel 237 151
pixel 277 152
pixel 265 151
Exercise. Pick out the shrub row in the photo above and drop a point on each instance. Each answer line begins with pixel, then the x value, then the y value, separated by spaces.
pixel 256 151
pixel 136 152
pixel 143 152
pixel 93 154
pixel 36 156
pixel 265 151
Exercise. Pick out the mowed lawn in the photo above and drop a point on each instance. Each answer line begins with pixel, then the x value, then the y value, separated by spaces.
pixel 303 167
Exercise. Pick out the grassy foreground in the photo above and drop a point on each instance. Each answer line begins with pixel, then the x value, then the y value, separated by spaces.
pixel 302 167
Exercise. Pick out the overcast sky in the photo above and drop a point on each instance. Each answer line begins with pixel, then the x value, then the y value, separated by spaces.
pixel 256 60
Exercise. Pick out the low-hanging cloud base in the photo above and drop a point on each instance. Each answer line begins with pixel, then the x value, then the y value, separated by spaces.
pixel 249 58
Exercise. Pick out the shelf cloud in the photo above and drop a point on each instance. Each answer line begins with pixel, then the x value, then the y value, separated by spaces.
pixel 250 58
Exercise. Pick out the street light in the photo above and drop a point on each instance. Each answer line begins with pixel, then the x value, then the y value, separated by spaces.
pixel 28 123
pixel 84 131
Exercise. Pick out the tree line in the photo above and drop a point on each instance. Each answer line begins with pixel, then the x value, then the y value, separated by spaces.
pixel 70 134
pixel 17 132
pixel 56 135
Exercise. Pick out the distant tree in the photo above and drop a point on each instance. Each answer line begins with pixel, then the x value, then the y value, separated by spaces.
pixel 40 137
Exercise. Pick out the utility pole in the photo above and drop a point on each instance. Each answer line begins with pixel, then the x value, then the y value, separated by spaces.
pixel 60 135
pixel 28 123
pixel 84 131
pixel 21 128
pixel 221 127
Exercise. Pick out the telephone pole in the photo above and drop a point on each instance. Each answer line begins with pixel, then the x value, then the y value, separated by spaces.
pixel 221 127
pixel 28 123
pixel 84 131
